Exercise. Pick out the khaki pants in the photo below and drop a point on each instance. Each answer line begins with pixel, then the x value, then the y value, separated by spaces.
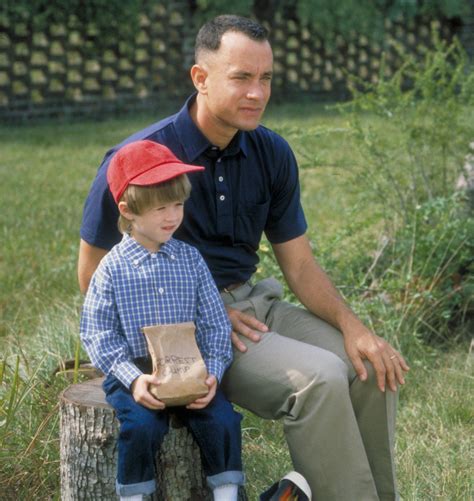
pixel 340 431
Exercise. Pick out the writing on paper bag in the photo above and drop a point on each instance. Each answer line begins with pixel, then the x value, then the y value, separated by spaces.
pixel 177 362
pixel 175 365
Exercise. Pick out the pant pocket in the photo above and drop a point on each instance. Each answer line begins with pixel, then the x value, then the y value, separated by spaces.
pixel 263 296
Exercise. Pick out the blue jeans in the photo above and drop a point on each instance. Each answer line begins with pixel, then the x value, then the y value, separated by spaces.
pixel 216 430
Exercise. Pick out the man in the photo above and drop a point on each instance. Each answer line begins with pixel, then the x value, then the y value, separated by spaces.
pixel 317 368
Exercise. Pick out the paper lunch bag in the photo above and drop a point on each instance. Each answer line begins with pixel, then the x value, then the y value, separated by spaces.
pixel 177 362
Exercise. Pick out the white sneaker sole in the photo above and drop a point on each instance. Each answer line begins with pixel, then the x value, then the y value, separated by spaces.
pixel 300 481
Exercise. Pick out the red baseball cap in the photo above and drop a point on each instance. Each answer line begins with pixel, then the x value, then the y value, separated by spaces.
pixel 143 163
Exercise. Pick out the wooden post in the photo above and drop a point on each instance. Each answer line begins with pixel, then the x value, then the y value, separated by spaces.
pixel 88 432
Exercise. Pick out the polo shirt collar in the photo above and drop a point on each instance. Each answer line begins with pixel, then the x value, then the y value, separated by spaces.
pixel 130 249
pixel 194 142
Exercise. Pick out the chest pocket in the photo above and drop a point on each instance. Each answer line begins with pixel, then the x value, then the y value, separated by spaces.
pixel 249 224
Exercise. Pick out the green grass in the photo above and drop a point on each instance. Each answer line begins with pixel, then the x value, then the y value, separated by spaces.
pixel 45 174
pixel 436 416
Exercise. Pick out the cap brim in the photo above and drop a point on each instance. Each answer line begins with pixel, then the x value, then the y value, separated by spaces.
pixel 160 174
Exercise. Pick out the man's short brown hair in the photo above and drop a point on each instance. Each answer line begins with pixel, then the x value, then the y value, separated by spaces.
pixel 210 35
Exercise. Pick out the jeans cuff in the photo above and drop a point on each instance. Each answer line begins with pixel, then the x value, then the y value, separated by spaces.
pixel 147 487
pixel 226 477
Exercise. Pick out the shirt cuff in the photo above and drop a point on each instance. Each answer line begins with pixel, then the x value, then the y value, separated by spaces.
pixel 126 372
pixel 216 368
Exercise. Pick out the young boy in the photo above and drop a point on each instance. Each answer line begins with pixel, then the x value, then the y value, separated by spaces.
pixel 149 278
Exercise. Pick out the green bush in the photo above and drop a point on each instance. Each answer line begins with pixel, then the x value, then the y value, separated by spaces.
pixel 422 287
pixel 414 151
pixel 410 145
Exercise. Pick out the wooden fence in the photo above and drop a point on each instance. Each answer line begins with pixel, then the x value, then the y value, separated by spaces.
pixel 51 73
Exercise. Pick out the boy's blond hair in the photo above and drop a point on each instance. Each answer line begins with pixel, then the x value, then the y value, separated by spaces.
pixel 141 198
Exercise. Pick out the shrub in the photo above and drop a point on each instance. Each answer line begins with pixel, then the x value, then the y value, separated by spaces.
pixel 415 151
pixel 422 286
pixel 410 152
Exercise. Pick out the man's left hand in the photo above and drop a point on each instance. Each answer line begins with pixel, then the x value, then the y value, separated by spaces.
pixel 390 366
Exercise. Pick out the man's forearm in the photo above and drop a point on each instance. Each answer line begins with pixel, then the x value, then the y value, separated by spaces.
pixel 311 285
pixel 317 293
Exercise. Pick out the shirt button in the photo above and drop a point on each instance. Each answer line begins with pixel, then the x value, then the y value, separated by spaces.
pixel 219 160
pixel 153 255
pixel 161 290
pixel 221 179
pixel 136 262
pixel 173 257
pixel 222 198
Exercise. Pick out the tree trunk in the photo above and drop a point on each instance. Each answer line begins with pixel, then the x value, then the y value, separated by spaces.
pixel 88 432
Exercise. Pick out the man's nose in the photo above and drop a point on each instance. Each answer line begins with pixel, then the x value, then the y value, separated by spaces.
pixel 255 91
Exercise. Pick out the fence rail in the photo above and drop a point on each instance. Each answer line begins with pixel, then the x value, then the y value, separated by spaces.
pixel 52 73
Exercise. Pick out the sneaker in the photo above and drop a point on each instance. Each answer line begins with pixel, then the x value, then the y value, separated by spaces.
pixel 292 487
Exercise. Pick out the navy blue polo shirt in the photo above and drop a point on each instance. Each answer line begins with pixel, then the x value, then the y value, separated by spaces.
pixel 248 188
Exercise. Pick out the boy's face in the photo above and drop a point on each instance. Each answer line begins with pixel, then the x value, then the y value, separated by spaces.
pixel 156 225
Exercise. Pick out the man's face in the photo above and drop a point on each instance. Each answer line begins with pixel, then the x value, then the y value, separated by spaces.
pixel 238 82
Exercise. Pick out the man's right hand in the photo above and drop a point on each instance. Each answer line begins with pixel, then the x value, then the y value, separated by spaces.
pixel 141 393
pixel 246 326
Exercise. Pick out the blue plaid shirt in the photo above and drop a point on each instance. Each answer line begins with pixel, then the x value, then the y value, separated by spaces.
pixel 133 288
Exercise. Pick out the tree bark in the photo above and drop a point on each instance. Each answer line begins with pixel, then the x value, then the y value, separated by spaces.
pixel 88 433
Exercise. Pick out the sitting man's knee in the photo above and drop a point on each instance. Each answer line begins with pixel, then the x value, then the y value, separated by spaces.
pixel 371 382
pixel 330 371
pixel 336 373
pixel 371 374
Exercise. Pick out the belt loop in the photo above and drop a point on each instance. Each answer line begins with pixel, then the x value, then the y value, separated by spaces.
pixel 234 292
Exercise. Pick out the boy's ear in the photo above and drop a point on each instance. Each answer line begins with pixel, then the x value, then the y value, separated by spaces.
pixel 125 211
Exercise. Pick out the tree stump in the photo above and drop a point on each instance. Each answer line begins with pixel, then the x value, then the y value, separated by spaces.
pixel 88 432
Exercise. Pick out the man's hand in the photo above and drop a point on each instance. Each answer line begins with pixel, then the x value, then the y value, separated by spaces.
pixel 315 290
pixel 245 325
pixel 389 365
pixel 141 393
pixel 202 402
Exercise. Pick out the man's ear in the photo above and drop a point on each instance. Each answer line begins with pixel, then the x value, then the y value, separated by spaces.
pixel 125 211
pixel 199 78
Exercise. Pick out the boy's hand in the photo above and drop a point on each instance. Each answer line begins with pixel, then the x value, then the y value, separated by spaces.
pixel 202 402
pixel 141 393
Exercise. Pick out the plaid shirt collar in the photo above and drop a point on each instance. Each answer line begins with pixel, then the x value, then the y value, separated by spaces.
pixel 130 249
